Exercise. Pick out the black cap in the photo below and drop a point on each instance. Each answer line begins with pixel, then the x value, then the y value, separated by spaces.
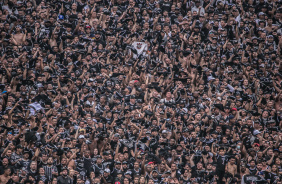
pixel 64 168
pixel 118 162
pixel 219 106
pixel 119 172
pixel 154 130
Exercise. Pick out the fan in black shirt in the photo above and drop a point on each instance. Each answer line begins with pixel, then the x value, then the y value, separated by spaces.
pixel 107 178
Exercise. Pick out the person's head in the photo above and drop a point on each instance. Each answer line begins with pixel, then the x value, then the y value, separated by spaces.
pixel 50 161
pixel 199 165
pixel 151 181
pixel 33 165
pixel 54 181
pixel 168 95
pixel 97 180
pixel 5 162
pixel 259 166
pixel 107 172
pixel 274 168
pixel 41 171
pixel 155 174
pixel 64 161
pixel 136 165
pixel 232 160
pixel 118 165
pixel 221 151
pixel 173 167
pixel 277 161
pixel 126 181
pixel 87 153
pixel 7 171
pixel 252 163
pixel 209 166
pixel 44 157
pixel 99 160
pixel 270 152
pixel 15 178
pixel 136 180
pixel 65 172
pixel 218 128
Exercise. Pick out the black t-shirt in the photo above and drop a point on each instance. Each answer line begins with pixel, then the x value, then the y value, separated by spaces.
pixel 42 178
pixel 136 172
pixel 87 165
pixel 24 163
pixel 221 162
pixel 109 164
pixel 166 6
pixel 60 167
pixel 272 177
pixel 40 163
pixel 253 171
pixel 109 179
pixel 80 167
pixel 156 180
pixel 197 173
pixel 98 169
pixel 113 144
pixel 32 173
pixel 114 173
pixel 67 5
pixel 80 6
pixel 126 98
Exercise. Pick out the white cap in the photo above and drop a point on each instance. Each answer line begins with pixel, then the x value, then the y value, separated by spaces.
pixel 81 137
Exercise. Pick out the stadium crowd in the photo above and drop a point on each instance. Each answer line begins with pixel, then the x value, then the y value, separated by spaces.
pixel 140 91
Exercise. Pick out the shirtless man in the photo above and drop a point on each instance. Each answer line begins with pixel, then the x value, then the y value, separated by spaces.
pixel 18 38
pixel 269 26
pixel 4 178
pixel 231 167
pixel 54 37
pixel 70 160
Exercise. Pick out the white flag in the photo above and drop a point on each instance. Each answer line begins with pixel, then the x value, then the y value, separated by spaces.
pixel 141 48
pixel 34 107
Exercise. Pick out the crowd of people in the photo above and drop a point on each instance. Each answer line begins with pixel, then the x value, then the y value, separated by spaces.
pixel 140 91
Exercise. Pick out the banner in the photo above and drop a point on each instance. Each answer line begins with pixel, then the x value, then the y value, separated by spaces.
pixel 141 48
